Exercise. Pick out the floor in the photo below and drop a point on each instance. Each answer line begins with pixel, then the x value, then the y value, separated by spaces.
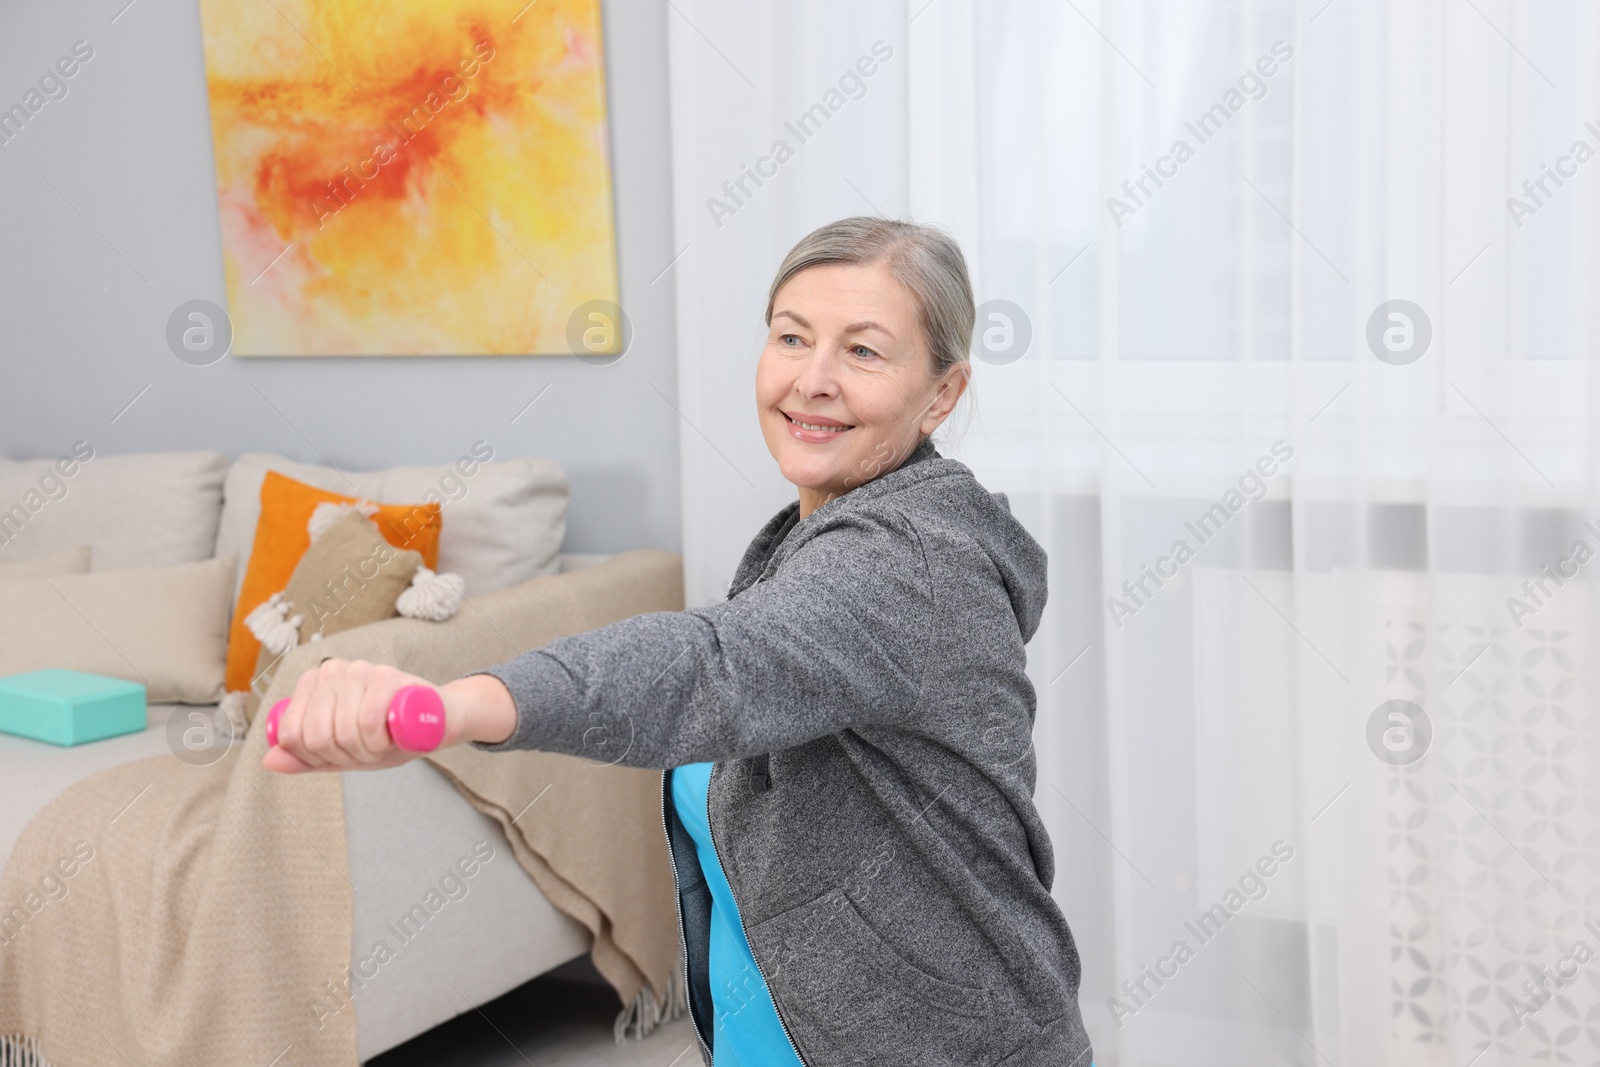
pixel 560 1019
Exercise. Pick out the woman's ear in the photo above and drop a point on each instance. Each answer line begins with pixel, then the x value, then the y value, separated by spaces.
pixel 951 385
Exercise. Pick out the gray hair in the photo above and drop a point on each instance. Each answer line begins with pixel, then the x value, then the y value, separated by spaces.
pixel 923 258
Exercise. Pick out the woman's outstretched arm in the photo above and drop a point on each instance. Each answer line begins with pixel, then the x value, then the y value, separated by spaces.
pixel 837 639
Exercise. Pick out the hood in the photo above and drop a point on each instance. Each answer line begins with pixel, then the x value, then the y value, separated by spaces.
pixel 938 493
pixel 986 517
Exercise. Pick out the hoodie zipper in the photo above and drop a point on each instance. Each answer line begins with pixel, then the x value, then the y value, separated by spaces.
pixel 677 907
pixel 744 932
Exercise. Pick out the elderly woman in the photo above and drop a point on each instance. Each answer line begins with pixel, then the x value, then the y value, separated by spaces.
pixel 848 791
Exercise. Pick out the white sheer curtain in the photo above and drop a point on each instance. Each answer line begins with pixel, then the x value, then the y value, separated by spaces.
pixel 1201 725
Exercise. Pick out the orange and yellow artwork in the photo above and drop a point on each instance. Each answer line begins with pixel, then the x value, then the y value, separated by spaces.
pixel 411 177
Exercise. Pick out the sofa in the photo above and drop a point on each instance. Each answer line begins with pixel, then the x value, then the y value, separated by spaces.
pixel 145 520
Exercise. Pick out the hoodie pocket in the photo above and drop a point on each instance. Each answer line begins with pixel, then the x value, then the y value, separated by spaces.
pixel 851 992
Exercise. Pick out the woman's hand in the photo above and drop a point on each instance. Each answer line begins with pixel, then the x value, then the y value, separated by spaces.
pixel 338 717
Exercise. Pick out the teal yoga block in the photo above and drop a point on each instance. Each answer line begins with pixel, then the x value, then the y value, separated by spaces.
pixel 69 707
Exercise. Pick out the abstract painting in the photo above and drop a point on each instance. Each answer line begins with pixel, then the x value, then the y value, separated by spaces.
pixel 410 178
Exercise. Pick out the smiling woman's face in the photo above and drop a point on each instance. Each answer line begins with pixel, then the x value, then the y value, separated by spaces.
pixel 844 387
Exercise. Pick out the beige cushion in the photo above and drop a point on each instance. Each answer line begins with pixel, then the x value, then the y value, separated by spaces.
pixel 368 575
pixel 503 522
pixel 72 561
pixel 153 509
pixel 164 626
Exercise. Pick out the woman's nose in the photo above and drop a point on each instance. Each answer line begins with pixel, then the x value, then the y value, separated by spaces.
pixel 817 377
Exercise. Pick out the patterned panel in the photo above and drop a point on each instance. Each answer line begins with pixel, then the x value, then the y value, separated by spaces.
pixel 1491 846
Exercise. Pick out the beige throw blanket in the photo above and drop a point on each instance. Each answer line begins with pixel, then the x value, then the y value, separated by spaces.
pixel 182 916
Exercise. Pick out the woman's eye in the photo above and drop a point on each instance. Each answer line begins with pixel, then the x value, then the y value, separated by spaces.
pixel 787 338
pixel 863 351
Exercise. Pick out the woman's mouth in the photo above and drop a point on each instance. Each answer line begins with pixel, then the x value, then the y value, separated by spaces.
pixel 814 428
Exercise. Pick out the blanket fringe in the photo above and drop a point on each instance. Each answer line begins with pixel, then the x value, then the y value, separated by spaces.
pixel 638 1019
pixel 20 1050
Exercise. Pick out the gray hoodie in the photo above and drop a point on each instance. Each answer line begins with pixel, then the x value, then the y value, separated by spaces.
pixel 861 692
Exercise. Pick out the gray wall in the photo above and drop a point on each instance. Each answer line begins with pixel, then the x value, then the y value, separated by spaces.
pixel 128 151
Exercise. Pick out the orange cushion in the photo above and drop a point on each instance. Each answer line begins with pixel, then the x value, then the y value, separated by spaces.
pixel 282 538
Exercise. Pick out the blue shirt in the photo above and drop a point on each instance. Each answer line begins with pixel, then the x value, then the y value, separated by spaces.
pixel 746 1031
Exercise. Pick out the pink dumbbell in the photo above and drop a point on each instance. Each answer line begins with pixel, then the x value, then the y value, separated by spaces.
pixel 416 719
